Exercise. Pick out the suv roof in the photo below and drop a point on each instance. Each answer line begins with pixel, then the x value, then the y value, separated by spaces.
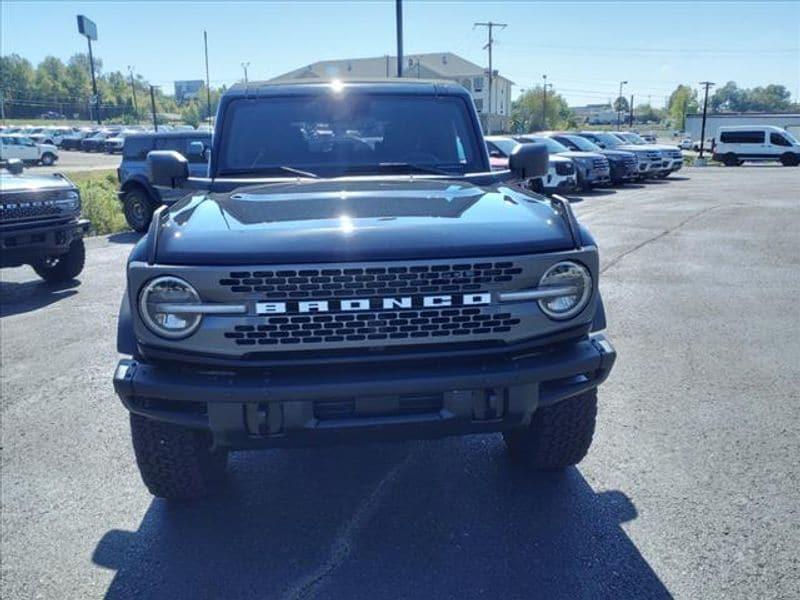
pixel 390 85
pixel 168 134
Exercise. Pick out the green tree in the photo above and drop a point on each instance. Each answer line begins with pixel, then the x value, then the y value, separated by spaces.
pixel 16 77
pixel 681 102
pixel 527 111
pixel 621 105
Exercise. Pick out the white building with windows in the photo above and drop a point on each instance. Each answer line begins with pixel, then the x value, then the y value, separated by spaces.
pixel 494 114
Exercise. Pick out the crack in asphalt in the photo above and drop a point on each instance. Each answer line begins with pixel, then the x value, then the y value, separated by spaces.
pixel 343 543
pixel 655 238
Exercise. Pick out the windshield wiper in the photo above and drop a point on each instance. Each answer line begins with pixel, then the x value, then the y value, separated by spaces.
pixel 421 168
pixel 255 172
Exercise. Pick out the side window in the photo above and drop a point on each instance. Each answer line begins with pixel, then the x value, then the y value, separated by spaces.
pixel 776 139
pixel 171 143
pixel 742 137
pixel 196 158
pixel 137 148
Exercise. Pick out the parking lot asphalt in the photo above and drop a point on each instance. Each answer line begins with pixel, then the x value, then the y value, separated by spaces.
pixel 691 489
pixel 70 161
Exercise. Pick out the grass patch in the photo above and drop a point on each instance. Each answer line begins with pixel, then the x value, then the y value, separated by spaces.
pixel 100 203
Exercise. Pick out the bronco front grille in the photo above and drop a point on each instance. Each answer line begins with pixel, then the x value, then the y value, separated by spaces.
pixel 372 326
pixel 371 281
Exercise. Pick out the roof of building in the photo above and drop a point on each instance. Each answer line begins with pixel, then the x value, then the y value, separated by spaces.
pixel 429 65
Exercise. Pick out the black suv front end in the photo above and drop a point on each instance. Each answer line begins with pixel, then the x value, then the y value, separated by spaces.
pixel 41 224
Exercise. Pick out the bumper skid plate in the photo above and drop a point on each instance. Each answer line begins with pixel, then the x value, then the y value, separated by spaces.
pixel 292 407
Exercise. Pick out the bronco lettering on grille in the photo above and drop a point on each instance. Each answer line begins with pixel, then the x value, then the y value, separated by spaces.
pixel 365 304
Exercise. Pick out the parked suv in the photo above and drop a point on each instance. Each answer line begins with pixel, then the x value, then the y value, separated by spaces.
pixel 139 197
pixel 560 179
pixel 672 157
pixel 623 165
pixel 25 149
pixel 40 223
pixel 760 143
pixel 592 168
pixel 650 162
pixel 387 285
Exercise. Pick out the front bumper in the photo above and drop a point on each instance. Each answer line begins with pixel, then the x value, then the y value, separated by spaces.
pixel 561 184
pixel 23 244
pixel 288 407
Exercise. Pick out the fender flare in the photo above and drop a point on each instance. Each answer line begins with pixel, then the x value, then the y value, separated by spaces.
pixel 126 339
pixel 599 320
pixel 141 182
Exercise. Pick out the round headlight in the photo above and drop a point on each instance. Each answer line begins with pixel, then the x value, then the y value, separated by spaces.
pixel 575 281
pixel 162 305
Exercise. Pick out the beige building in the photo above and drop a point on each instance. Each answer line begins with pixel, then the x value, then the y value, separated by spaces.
pixel 442 65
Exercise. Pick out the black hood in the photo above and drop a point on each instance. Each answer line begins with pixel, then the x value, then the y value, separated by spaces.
pixel 357 220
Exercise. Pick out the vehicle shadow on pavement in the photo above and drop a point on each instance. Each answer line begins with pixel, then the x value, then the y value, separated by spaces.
pixel 125 237
pixel 17 298
pixel 447 519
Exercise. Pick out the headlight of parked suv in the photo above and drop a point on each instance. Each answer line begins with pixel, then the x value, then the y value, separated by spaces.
pixel 163 304
pixel 575 280
pixel 69 201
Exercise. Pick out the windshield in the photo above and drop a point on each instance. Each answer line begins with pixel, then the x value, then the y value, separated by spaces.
pixel 352 133
pixel 609 140
pixel 505 145
pixel 789 136
pixel 634 138
pixel 583 144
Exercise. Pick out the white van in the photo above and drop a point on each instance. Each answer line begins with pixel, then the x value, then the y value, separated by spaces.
pixel 734 145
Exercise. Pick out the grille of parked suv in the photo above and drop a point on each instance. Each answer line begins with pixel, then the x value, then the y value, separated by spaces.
pixel 17 208
pixel 371 281
pixel 599 163
pixel 565 168
pixel 676 153
pixel 653 154
pixel 372 326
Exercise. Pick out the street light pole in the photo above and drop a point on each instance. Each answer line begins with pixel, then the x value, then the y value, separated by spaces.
pixel 133 93
pixel 619 104
pixel 208 81
pixel 489 26
pixel 544 100
pixel 706 84
pixel 244 66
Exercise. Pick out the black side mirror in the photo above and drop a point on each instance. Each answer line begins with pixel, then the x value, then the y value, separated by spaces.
pixel 14 166
pixel 167 168
pixel 529 160
pixel 199 149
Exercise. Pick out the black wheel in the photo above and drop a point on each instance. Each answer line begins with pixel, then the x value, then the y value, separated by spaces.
pixel 138 209
pixel 64 267
pixel 48 158
pixel 789 160
pixel 730 160
pixel 176 462
pixel 559 436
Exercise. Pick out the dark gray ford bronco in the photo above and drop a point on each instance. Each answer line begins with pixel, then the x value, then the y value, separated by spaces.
pixel 352 269
pixel 41 224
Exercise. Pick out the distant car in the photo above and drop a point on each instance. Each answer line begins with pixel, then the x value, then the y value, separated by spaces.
pixel 685 144
pixel 649 138
pixel 561 177
pixel 592 168
pixel 73 142
pixel 53 135
pixel 709 145
pixel 672 157
pixel 763 143
pixel 41 224
pixel 26 150
pixel 138 196
pixel 116 142
pixel 622 164
pixel 51 114
pixel 650 161
pixel 96 142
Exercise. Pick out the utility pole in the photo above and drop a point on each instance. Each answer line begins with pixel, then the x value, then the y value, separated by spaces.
pixel 544 101
pixel 631 112
pixel 208 81
pixel 244 66
pixel 619 104
pixel 153 106
pixel 387 66
pixel 398 15
pixel 133 93
pixel 489 26
pixel 706 84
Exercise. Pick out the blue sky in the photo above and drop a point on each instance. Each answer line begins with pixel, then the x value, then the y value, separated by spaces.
pixel 585 48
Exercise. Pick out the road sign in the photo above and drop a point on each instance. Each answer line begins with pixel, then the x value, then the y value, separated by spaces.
pixel 87 27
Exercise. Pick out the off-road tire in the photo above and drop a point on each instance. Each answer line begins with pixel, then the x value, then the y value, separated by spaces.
pixel 559 436
pixel 176 462
pixel 48 158
pixel 63 267
pixel 138 209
